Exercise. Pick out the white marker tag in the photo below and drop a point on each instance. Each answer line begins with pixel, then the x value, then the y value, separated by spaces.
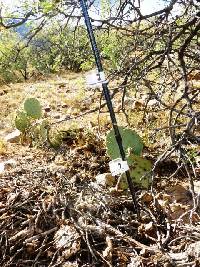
pixel 102 77
pixel 118 166
pixel 94 79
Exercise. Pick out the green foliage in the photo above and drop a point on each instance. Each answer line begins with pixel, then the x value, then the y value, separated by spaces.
pixel 105 8
pixel 46 6
pixel 113 47
pixel 33 108
pixel 8 40
pixel 87 65
pixel 15 65
pixel 130 139
pixel 56 48
pixel 139 167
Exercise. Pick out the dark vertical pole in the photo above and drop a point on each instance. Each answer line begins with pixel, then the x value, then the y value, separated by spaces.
pixel 107 96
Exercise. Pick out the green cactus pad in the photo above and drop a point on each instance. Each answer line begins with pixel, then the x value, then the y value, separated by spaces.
pixel 123 184
pixel 43 130
pixel 130 139
pixel 33 108
pixel 139 170
pixel 22 121
pixel 55 138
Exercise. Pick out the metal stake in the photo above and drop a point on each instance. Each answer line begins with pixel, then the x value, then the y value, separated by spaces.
pixel 107 97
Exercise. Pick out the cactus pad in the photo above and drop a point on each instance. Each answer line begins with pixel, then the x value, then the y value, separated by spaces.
pixel 130 140
pixel 33 108
pixel 139 170
pixel 22 121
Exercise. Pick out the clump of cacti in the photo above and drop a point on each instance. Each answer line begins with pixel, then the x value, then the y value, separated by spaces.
pixel 35 129
pixel 32 111
pixel 26 121
pixel 132 143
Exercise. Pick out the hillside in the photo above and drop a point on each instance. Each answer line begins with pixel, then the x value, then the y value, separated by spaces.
pixel 55 209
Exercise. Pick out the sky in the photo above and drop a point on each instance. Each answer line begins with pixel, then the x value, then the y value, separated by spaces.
pixel 147 6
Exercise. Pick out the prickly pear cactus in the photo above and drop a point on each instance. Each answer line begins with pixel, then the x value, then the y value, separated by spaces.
pixel 38 133
pixel 139 170
pixel 139 167
pixel 22 121
pixel 43 130
pixel 54 138
pixel 130 139
pixel 33 108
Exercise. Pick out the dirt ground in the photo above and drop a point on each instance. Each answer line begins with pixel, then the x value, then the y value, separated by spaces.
pixel 53 211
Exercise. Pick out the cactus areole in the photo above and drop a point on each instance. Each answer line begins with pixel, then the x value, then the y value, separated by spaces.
pixel 107 96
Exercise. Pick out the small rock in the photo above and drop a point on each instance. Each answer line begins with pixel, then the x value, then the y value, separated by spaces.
pixel 67 240
pixel 56 116
pixel 3 92
pixel 59 160
pixel 11 162
pixel 2 167
pixel 105 179
pixel 197 187
pixel 153 102
pixel 62 85
pixel 13 137
pixel 135 261
pixel 7 164
pixel 65 106
pixel 47 109
pixel 70 264
pixel 193 250
pixel 134 103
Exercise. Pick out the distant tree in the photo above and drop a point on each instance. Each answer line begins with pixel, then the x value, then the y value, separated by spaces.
pixel 12 63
